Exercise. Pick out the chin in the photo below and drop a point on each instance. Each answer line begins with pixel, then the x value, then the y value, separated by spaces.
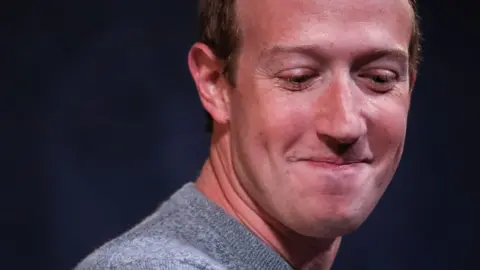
pixel 334 216
pixel 331 229
pixel 330 225
pixel 336 227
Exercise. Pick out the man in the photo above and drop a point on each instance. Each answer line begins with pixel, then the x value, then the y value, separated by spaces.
pixel 309 101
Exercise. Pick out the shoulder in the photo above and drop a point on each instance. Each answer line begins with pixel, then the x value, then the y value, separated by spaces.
pixel 173 237
pixel 148 253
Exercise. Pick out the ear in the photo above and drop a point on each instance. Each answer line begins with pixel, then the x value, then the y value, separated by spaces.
pixel 206 70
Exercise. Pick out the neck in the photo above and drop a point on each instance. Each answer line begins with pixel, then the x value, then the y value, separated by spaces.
pixel 219 183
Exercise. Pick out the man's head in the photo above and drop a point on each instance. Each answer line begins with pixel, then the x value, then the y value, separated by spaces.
pixel 219 29
pixel 313 96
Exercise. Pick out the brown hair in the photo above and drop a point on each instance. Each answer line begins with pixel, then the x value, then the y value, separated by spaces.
pixel 218 28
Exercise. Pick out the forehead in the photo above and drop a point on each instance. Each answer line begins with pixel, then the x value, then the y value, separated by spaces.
pixel 334 23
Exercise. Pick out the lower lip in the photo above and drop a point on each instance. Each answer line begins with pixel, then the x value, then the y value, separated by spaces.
pixel 334 166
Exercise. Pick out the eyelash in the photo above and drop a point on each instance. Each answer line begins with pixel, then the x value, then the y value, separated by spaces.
pixel 297 82
pixel 380 82
pixel 373 80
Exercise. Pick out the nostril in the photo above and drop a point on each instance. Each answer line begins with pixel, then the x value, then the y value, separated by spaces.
pixel 342 148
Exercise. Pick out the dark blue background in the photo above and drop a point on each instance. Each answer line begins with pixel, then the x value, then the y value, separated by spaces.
pixel 101 122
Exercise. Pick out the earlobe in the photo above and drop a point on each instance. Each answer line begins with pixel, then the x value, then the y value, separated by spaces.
pixel 206 70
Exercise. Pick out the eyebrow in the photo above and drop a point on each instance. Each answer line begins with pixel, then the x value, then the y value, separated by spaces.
pixel 372 55
pixel 363 56
pixel 282 49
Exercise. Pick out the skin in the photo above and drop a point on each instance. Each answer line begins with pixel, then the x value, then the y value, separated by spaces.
pixel 311 135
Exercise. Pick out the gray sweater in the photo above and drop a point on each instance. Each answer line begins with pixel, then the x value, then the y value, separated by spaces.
pixel 186 232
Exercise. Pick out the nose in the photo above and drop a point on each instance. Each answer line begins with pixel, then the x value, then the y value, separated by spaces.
pixel 339 119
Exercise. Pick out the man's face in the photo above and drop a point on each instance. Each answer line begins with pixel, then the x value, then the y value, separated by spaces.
pixel 318 117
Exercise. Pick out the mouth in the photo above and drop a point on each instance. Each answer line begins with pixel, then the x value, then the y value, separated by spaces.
pixel 334 165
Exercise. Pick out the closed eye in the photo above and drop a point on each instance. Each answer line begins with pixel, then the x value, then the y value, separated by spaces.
pixel 379 80
pixel 297 79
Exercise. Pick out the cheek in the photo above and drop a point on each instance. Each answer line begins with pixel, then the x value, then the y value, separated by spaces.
pixel 387 127
pixel 267 119
pixel 264 127
pixel 281 127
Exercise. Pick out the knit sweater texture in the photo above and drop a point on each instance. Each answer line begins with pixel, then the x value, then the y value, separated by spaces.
pixel 187 232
